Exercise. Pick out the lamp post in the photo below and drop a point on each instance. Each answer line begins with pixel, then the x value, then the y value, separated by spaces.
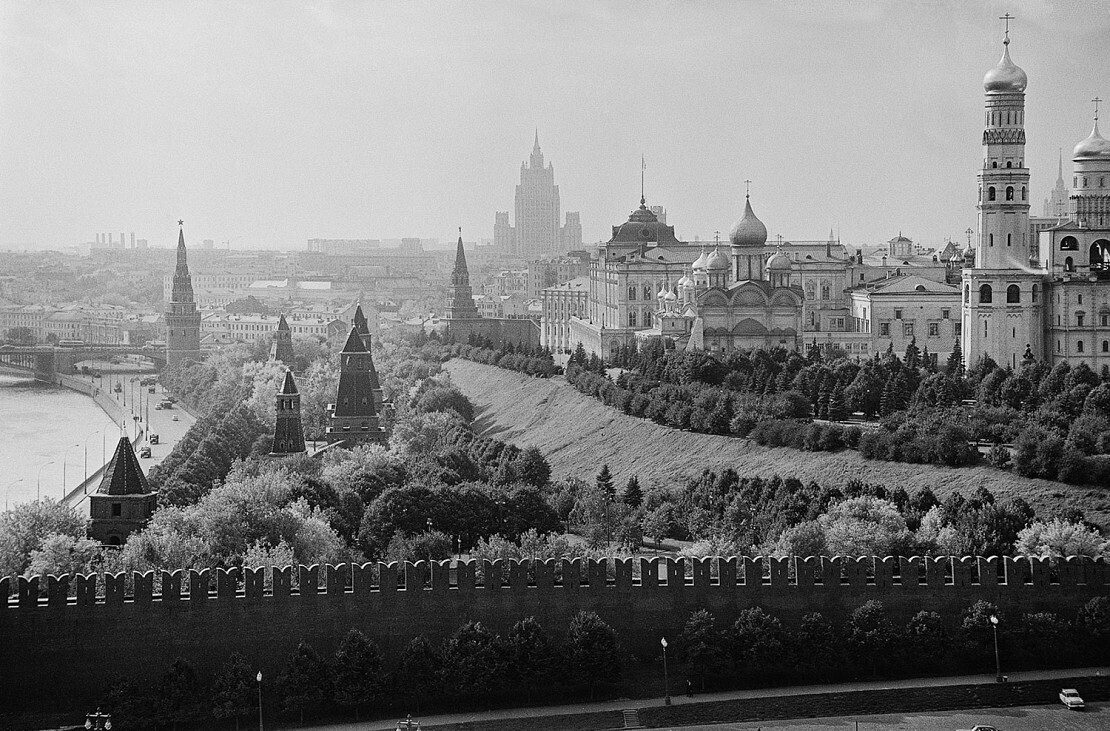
pixel 997 664
pixel 86 456
pixel 666 680
pixel 259 679
pixel 97 721
pixel 38 480
pixel 64 458
pixel 8 489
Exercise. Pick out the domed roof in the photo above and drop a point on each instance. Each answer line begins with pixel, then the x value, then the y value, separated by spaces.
pixel 1094 146
pixel 701 261
pixel 670 296
pixel 1006 76
pixel 779 262
pixel 749 230
pixel 717 261
pixel 662 292
pixel 684 280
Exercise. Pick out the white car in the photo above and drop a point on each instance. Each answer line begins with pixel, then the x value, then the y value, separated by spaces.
pixel 1070 698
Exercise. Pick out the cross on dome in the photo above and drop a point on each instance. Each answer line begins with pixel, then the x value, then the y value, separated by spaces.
pixel 1097 101
pixel 1006 18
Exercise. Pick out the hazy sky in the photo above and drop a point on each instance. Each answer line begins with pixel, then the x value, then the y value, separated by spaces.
pixel 269 123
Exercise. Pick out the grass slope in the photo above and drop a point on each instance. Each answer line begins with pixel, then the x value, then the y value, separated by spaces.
pixel 578 434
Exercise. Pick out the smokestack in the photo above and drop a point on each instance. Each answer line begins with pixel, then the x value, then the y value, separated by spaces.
pixel 132 239
pixel 122 240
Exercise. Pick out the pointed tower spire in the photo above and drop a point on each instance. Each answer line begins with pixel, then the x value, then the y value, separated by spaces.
pixel 124 501
pixel 1060 168
pixel 288 429
pixel 182 318
pixel 282 347
pixel 460 298
pixel 353 418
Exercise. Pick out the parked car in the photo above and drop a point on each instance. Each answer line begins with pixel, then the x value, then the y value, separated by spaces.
pixel 1070 698
pixel 175 418
pixel 980 727
pixel 144 453
pixel 153 438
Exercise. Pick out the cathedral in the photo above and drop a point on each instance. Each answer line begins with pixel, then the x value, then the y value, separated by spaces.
pixel 1050 296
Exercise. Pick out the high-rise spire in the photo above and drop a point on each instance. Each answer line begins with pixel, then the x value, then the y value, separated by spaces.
pixel 182 318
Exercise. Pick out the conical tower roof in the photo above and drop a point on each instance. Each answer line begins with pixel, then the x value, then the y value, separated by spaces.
pixel 354 342
pixel 123 475
pixel 289 386
pixel 359 320
pixel 460 260
pixel 282 324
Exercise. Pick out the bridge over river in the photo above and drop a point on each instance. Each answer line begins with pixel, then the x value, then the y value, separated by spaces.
pixel 46 362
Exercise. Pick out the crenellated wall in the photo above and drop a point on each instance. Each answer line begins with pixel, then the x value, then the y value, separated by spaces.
pixel 64 639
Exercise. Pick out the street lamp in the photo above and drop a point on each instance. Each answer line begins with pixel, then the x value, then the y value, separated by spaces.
pixel 97 721
pixel 997 664
pixel 259 679
pixel 64 458
pixel 666 681
pixel 86 458
pixel 8 489
pixel 38 480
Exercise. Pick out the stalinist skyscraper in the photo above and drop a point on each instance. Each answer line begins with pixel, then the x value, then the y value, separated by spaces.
pixel 536 232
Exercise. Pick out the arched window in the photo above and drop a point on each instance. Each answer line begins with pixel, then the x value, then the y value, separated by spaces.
pixel 1013 294
pixel 990 193
pixel 1106 346
pixel 1069 243
pixel 1069 265
pixel 1009 163
pixel 1009 238
pixel 1079 346
pixel 810 292
pixel 824 290
pixel 632 319
pixel 1034 297
pixel 990 240
pixel 1023 193
pixel 632 292
pixel 967 294
pixel 1100 256
pixel 986 296
pixel 1009 192
pixel 648 291
pixel 994 164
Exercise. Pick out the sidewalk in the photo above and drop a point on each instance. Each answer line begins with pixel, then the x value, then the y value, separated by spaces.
pixel 679 699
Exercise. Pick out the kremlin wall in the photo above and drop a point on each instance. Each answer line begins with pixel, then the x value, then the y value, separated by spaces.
pixel 69 639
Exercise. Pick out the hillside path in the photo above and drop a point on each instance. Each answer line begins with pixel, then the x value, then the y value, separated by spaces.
pixel 578 434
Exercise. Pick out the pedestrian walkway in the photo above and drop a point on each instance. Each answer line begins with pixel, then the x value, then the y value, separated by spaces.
pixel 621 705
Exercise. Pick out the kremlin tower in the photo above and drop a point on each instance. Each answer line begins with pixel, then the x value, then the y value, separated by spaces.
pixel 460 298
pixel 124 501
pixel 182 318
pixel 288 431
pixel 353 418
pixel 282 347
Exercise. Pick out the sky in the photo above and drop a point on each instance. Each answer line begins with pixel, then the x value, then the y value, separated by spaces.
pixel 269 123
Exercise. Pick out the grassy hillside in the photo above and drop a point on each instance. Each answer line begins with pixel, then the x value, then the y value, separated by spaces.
pixel 578 434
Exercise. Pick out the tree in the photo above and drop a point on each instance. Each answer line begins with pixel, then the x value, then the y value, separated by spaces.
pixel 233 689
pixel 871 634
pixel 977 631
pixel 532 468
pixel 701 644
pixel 417 674
pixel 303 682
pixel 593 653
pixel 24 528
pixel 21 336
pixel 1059 538
pixel 757 642
pixel 633 495
pixel 579 358
pixel 605 483
pixel 178 698
pixel 657 523
pixel 473 661
pixel 532 657
pixel 358 672
pixel 926 639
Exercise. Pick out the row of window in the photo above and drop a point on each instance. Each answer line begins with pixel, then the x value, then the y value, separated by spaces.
pixel 995 118
pixel 1081 318
pixel 908 329
pixel 986 294
pixel 992 194
pixel 1079 346
pixel 1075 182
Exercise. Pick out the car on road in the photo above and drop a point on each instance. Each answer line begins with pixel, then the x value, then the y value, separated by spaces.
pixel 980 727
pixel 175 418
pixel 1070 698
pixel 153 439
pixel 144 453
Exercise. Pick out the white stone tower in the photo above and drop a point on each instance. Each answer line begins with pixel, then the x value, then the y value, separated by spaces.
pixel 1002 291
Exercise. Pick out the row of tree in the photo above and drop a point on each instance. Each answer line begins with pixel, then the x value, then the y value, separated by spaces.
pixel 530 360
pixel 472 665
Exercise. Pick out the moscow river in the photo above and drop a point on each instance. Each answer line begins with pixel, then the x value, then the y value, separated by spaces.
pixel 44 434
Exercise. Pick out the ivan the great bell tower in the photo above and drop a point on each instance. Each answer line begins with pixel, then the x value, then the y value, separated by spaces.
pixel 1002 291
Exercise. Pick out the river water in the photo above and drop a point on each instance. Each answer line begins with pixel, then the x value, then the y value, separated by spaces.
pixel 44 434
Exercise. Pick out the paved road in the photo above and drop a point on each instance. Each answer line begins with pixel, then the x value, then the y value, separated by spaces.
pixel 1041 718
pixel 1022 718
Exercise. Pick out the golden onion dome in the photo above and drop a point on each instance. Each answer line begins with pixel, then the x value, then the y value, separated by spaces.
pixel 717 261
pixel 749 230
pixel 779 262
pixel 1006 76
pixel 700 262
pixel 1095 146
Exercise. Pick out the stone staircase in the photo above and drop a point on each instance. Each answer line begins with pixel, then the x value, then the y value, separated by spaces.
pixel 631 718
